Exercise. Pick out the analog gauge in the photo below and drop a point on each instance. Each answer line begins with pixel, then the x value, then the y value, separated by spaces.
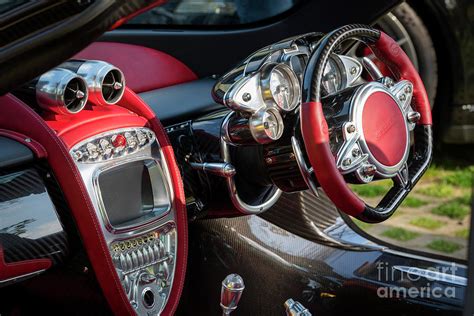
pixel 284 87
pixel 332 77
pixel 266 125
pixel 271 124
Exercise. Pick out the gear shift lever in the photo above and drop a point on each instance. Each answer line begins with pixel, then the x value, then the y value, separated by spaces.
pixel 231 291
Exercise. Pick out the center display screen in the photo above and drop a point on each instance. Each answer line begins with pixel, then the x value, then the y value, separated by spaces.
pixel 127 193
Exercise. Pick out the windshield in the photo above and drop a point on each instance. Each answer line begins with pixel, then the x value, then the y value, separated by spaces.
pixel 213 12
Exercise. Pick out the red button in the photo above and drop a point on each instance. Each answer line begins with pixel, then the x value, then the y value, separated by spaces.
pixel 119 141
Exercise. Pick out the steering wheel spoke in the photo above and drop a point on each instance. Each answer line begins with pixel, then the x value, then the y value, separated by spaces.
pixel 350 157
pixel 403 91
pixel 401 177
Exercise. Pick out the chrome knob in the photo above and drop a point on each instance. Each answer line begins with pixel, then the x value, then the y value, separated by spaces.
pixel 231 291
pixel 294 308
pixel 413 117
pixel 369 170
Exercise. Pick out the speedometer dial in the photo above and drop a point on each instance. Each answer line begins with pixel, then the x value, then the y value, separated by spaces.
pixel 283 87
pixel 281 90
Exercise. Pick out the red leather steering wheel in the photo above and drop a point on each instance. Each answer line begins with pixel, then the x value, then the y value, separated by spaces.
pixel 380 111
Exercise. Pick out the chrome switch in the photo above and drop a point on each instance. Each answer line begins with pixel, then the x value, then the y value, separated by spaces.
pixel 294 308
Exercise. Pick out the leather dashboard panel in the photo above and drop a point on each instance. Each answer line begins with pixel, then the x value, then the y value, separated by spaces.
pixel 144 68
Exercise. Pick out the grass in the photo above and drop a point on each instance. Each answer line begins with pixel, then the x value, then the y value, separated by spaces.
pixel 462 233
pixel 374 189
pixel 434 172
pixel 461 177
pixel 466 199
pixel 439 190
pixel 369 190
pixel 400 234
pixel 412 201
pixel 426 222
pixel 445 246
pixel 454 209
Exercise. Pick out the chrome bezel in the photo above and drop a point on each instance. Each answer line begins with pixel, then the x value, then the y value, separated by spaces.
pixel 354 138
pixel 357 109
pixel 350 71
pixel 124 153
pixel 89 172
pixel 234 97
pixel 257 125
pixel 94 73
pixel 267 94
pixel 340 69
pixel 156 172
pixel 51 87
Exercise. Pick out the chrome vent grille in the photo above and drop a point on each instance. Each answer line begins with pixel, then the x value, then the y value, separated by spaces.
pixel 105 82
pixel 113 86
pixel 146 265
pixel 75 95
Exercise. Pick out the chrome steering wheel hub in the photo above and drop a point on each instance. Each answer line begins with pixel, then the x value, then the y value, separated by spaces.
pixel 377 133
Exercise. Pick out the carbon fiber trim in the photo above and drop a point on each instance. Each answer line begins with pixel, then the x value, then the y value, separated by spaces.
pixel 277 264
pixel 317 219
pixel 30 226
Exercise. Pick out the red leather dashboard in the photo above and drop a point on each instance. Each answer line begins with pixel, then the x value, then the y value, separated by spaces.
pixel 144 68
pixel 92 121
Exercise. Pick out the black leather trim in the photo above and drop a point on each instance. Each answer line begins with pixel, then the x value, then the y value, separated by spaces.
pixel 13 153
pixel 182 102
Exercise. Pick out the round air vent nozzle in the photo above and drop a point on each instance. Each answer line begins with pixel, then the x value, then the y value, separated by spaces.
pixel 105 82
pixel 113 86
pixel 61 91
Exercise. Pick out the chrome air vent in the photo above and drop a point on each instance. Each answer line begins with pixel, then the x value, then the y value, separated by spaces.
pixel 74 95
pixel 61 91
pixel 105 82
pixel 112 86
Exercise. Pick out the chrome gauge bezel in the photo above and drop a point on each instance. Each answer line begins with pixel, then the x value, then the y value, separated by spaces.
pixel 259 127
pixel 245 95
pixel 349 70
pixel 265 82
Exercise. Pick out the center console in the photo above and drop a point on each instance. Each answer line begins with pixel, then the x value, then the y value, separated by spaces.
pixel 127 179
pixel 118 178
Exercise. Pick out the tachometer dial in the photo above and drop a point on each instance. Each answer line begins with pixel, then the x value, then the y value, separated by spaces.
pixel 282 87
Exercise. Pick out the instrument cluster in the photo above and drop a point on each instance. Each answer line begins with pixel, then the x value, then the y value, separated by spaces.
pixel 266 87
